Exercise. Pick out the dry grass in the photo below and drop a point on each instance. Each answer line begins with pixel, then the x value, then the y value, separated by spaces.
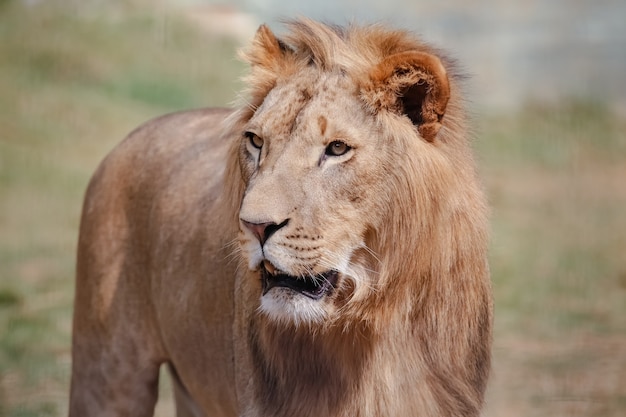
pixel 556 180
pixel 79 79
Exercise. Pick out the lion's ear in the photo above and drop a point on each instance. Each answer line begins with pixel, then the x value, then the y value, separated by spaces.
pixel 414 84
pixel 266 51
pixel 268 57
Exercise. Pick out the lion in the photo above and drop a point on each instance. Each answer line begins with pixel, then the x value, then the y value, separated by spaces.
pixel 321 250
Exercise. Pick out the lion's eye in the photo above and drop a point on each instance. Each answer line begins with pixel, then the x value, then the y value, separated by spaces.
pixel 337 148
pixel 254 140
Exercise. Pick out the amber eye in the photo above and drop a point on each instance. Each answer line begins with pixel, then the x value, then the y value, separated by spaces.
pixel 337 148
pixel 254 140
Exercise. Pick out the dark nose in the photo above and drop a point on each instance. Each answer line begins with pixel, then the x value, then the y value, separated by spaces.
pixel 263 231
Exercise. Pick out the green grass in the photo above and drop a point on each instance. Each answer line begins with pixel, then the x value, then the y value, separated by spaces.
pixel 76 77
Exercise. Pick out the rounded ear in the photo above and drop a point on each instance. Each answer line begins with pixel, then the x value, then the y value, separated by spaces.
pixel 414 84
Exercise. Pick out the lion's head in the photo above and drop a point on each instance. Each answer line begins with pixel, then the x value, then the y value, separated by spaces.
pixel 357 183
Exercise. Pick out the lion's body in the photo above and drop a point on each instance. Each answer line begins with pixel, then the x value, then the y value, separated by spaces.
pixel 392 218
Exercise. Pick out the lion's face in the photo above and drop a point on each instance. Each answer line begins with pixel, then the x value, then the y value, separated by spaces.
pixel 312 158
pixel 331 144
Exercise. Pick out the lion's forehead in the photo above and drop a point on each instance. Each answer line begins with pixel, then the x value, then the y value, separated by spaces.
pixel 298 104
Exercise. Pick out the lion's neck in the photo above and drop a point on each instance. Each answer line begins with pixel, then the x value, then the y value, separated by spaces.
pixel 336 372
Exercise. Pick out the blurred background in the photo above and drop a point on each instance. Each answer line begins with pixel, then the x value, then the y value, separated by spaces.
pixel 547 93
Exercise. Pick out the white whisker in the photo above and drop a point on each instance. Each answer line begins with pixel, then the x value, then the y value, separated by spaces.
pixel 233 251
pixel 371 252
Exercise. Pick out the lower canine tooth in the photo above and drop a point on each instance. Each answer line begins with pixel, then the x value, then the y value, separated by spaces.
pixel 269 267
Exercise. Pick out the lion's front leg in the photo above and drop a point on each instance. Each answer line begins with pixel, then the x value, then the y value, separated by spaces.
pixel 115 367
pixel 105 384
pixel 116 344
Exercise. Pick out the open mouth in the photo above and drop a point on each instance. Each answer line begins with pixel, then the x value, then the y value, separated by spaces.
pixel 312 286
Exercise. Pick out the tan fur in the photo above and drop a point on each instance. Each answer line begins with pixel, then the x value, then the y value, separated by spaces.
pixel 169 256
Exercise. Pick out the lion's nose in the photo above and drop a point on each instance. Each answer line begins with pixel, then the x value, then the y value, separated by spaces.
pixel 263 231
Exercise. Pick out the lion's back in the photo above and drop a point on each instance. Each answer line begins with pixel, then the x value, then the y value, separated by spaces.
pixel 160 179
